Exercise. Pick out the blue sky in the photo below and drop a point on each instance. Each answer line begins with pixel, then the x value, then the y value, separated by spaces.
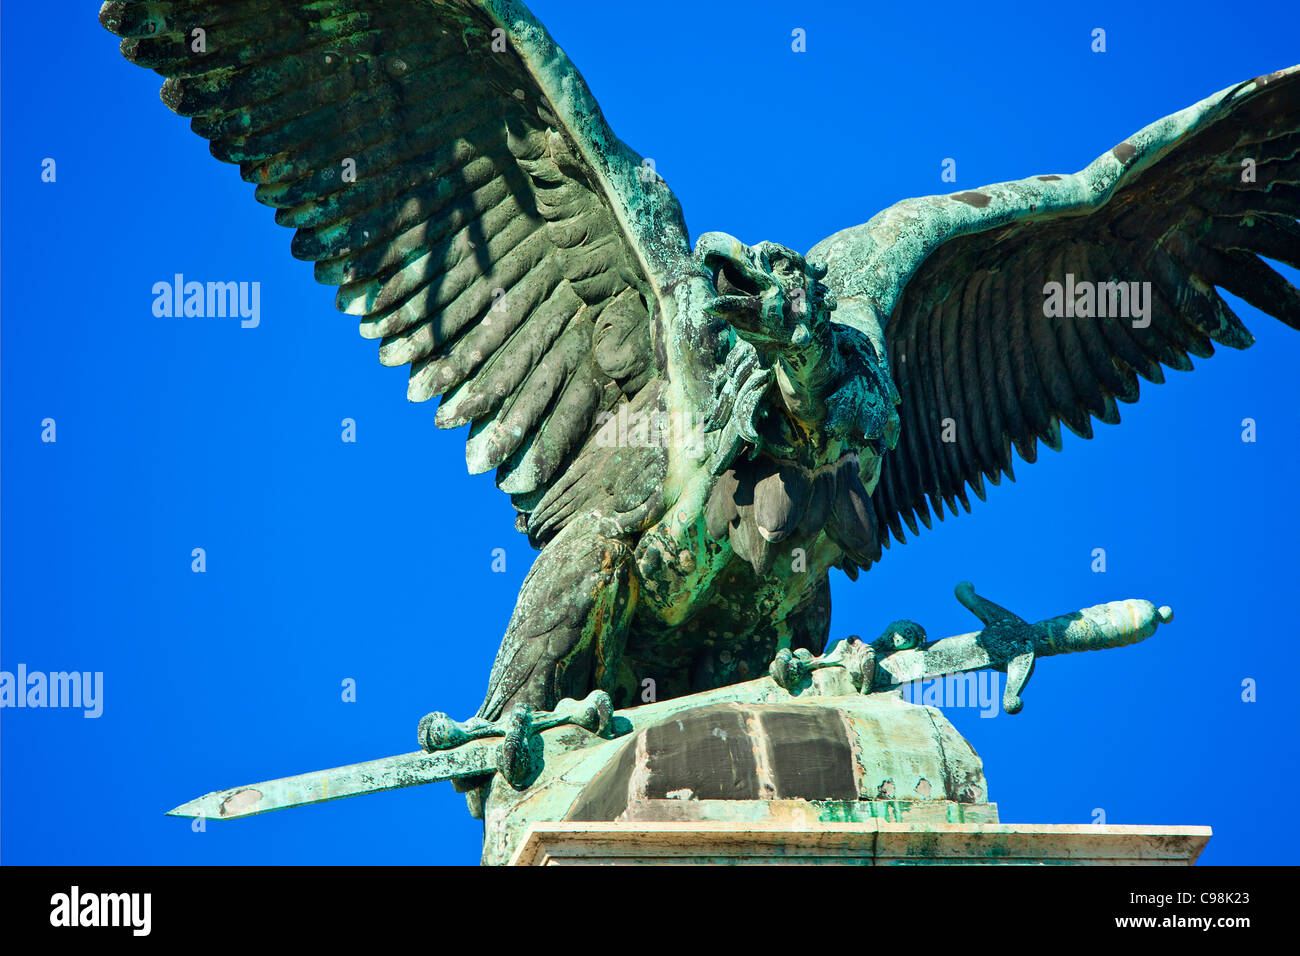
pixel 372 560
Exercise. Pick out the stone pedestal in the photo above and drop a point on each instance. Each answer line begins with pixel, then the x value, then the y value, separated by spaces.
pixel 877 843
pixel 754 774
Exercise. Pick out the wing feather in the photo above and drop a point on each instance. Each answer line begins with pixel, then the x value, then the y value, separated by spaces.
pixel 463 192
pixel 960 283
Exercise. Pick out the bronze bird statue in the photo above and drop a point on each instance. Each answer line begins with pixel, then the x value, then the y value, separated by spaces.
pixel 695 435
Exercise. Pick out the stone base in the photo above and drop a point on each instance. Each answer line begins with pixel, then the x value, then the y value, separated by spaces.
pixel 751 753
pixel 872 843
pixel 751 773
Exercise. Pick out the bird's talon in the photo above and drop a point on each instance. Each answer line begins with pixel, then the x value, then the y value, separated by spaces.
pixel 515 761
pixel 602 708
pixel 437 731
pixel 788 669
pixel 899 636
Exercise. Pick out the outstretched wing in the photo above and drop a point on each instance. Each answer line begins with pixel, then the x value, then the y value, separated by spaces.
pixel 446 166
pixel 962 285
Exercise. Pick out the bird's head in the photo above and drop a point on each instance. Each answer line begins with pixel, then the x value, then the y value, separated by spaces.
pixel 768 293
pixel 832 392
pixel 805 410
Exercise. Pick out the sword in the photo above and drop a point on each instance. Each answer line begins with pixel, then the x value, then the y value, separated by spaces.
pixel 1006 643
pixel 453 750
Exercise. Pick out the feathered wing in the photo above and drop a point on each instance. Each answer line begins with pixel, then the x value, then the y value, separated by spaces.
pixel 960 282
pixel 446 166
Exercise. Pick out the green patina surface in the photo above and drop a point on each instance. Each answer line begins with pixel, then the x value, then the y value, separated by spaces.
pixel 824 739
pixel 695 436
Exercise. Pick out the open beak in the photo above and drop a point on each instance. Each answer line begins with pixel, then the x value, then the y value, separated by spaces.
pixel 740 286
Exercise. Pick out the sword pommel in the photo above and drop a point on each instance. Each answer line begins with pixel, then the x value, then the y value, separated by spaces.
pixel 1114 624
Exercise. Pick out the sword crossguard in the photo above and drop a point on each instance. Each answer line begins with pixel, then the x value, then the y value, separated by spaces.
pixel 1008 638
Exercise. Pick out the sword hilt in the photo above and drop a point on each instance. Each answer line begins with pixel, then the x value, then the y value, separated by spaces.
pixel 1016 645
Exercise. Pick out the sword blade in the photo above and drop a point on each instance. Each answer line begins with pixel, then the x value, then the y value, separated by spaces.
pixel 949 655
pixel 387 773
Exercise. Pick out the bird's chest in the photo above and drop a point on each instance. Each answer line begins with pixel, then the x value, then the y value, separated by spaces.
pixel 678 564
pixel 687 582
pixel 731 631
pixel 683 569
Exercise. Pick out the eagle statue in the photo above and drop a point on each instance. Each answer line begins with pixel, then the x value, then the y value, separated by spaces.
pixel 695 435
